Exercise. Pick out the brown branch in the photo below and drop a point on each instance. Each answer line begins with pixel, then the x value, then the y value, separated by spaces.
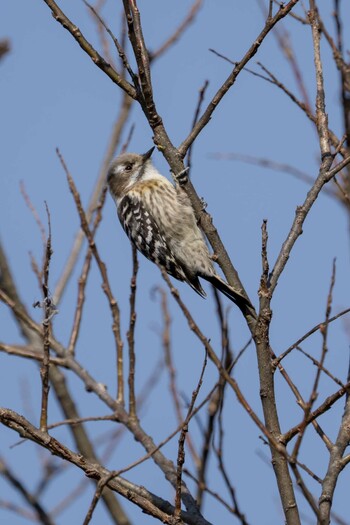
pixel 318 364
pixel 326 405
pixel 326 173
pixel 31 353
pixel 105 281
pixel 168 358
pixel 203 121
pixel 130 336
pixel 82 281
pixel 267 391
pixel 283 40
pixel 342 66
pixel 178 32
pixel 216 401
pixel 78 314
pixel 307 335
pixel 118 127
pixel 314 392
pixel 33 211
pixel 302 486
pixel 148 502
pixel 335 466
pixel 48 311
pixel 29 497
pixel 182 438
pixel 321 115
pixel 119 48
pixel 144 458
pixel 120 415
pixel 33 333
pixel 212 493
pixel 201 95
pixel 272 78
pixel 219 451
pixel 265 163
pixel 98 60
pixel 214 358
pixel 101 32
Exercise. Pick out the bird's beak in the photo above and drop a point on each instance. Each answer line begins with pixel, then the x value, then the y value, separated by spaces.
pixel 148 154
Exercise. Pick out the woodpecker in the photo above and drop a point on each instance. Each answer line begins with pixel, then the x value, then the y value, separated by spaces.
pixel 159 220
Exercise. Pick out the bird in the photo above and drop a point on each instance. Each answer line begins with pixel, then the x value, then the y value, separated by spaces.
pixel 158 218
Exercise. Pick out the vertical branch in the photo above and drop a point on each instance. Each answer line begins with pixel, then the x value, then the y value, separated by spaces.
pixel 182 439
pixel 47 306
pixel 321 115
pixel 79 238
pixel 320 368
pixel 267 391
pixel 201 95
pixel 103 271
pixel 131 340
pixel 82 281
pixel 169 363
pixel 336 464
pixel 216 402
pixel 344 69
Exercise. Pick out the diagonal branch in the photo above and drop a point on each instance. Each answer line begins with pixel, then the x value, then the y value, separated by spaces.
pixel 203 121
pixel 147 501
pixel 100 62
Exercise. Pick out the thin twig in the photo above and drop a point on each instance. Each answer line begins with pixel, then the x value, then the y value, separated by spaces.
pixel 47 313
pixel 119 48
pixel 105 281
pixel 98 60
pixel 263 162
pixel 179 31
pixel 314 392
pixel 203 121
pixel 147 501
pixel 314 329
pixel 82 281
pixel 212 493
pixel 182 438
pixel 118 127
pixel 321 409
pixel 29 497
pixel 131 336
pixel 318 364
pixel 201 95
pixel 34 212
pixel 214 358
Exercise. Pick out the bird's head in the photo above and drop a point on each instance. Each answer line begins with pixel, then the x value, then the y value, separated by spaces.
pixel 125 171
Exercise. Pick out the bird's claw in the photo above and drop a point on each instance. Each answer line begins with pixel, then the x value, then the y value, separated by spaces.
pixel 203 203
pixel 182 177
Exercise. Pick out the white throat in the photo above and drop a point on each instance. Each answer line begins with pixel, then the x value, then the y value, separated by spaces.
pixel 150 172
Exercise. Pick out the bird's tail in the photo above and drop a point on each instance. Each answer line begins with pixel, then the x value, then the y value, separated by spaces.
pixel 227 290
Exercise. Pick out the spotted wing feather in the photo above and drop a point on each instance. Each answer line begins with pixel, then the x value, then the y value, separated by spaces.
pixel 143 231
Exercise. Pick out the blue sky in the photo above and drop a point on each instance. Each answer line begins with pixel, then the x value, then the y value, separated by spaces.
pixel 53 96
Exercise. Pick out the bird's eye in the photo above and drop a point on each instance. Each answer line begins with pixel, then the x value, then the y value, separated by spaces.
pixel 128 167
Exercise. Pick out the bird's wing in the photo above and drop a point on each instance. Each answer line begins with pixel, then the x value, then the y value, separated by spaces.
pixel 141 228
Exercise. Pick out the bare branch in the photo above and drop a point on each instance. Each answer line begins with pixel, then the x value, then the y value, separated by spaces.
pixel 130 336
pixel 203 121
pixel 33 501
pixel 48 310
pixel 179 31
pixel 61 18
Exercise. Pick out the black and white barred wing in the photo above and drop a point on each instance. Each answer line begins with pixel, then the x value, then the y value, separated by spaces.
pixel 143 231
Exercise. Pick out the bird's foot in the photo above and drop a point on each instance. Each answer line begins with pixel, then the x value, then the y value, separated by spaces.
pixel 204 204
pixel 182 177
